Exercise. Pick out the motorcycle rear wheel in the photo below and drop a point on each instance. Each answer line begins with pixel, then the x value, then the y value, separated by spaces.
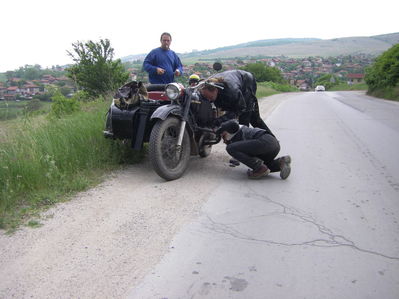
pixel 167 161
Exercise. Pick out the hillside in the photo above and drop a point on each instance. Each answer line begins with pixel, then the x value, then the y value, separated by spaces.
pixel 295 47
pixel 373 45
pixel 249 45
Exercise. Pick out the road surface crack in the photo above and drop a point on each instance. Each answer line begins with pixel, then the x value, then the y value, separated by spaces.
pixel 328 239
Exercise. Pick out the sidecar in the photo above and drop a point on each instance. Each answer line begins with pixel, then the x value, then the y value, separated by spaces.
pixel 133 121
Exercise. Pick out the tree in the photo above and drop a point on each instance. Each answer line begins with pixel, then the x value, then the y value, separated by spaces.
pixel 264 73
pixel 29 72
pixel 94 70
pixel 384 73
pixel 9 75
pixel 328 80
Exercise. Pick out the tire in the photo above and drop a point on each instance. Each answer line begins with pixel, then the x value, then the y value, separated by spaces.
pixel 204 150
pixel 162 149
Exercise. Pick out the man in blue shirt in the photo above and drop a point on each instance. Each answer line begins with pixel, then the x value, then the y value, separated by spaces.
pixel 162 64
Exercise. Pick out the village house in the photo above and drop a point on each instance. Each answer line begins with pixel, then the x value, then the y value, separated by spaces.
pixel 307 63
pixel 29 89
pixel 2 92
pixel 302 85
pixel 11 93
pixel 49 78
pixel 355 78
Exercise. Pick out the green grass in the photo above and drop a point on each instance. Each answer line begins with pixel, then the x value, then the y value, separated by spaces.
pixel 13 109
pixel 266 89
pixel 389 93
pixel 44 164
pixel 345 86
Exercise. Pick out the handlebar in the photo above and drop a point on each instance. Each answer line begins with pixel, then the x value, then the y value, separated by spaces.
pixel 205 82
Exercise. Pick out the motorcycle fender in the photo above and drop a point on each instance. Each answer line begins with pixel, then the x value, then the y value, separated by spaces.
pixel 164 111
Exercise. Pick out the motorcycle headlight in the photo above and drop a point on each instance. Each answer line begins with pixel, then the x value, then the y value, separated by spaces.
pixel 173 91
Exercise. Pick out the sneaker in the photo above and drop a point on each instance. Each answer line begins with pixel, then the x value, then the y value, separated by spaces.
pixel 234 163
pixel 285 167
pixel 261 172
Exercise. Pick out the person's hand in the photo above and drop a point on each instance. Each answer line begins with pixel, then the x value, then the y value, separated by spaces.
pixel 177 72
pixel 224 137
pixel 160 71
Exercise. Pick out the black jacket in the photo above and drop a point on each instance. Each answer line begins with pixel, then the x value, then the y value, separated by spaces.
pixel 245 133
pixel 239 91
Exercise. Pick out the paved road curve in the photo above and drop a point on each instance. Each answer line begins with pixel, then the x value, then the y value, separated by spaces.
pixel 330 231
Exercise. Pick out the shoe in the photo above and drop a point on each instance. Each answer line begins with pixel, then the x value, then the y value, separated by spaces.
pixel 285 167
pixel 234 163
pixel 260 172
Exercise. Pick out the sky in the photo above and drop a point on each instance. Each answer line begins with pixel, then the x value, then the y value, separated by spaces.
pixel 42 31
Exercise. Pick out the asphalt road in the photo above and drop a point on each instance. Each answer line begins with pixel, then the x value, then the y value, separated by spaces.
pixel 329 231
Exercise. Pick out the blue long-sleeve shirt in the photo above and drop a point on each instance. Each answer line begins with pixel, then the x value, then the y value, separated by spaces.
pixel 165 59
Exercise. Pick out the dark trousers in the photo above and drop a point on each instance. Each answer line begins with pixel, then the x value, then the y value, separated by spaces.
pixel 252 152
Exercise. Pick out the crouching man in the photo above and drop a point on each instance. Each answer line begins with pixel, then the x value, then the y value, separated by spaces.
pixel 256 148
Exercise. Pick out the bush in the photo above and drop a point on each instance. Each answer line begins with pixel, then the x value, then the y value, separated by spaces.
pixel 82 96
pixel 384 73
pixel 63 106
pixel 264 73
pixel 33 105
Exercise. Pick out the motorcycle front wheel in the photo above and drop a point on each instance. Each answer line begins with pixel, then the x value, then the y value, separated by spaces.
pixel 167 160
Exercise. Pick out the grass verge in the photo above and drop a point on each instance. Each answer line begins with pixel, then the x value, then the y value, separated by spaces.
pixel 266 89
pixel 389 93
pixel 346 86
pixel 42 165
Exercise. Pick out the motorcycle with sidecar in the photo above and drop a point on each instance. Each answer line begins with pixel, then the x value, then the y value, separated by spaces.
pixel 175 121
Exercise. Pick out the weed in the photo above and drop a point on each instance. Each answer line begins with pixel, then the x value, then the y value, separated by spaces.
pixel 34 223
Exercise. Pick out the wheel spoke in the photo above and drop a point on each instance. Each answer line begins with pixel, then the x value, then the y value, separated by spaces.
pixel 169 148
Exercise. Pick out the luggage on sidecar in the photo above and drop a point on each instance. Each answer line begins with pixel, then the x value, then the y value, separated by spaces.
pixel 129 116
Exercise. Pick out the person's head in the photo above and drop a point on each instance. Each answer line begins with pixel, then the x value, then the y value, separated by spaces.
pixel 210 92
pixel 166 39
pixel 193 80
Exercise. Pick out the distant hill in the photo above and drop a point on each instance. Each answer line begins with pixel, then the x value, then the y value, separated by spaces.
pixel 295 47
pixel 249 45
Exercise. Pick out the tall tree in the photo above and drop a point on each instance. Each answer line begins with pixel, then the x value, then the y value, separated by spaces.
pixel 94 70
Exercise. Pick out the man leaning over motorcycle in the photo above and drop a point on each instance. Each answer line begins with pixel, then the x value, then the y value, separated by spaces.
pixel 237 98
